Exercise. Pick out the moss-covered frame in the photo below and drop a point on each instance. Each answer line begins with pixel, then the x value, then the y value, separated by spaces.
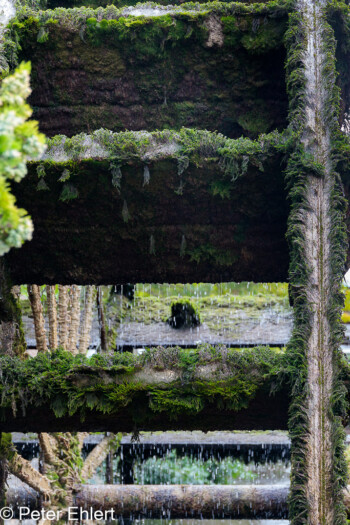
pixel 213 66
pixel 169 206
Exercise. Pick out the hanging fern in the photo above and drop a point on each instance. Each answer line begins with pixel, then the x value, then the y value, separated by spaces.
pixel 68 193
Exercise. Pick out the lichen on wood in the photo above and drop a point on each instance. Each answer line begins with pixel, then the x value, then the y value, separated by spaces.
pixel 74 317
pixel 86 323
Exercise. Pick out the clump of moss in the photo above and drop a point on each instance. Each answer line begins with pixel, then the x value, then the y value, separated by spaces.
pixel 255 122
pixel 183 315
pixel 263 37
pixel 7 449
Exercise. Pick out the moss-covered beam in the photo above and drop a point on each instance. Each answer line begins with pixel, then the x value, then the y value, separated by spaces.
pixel 317 235
pixel 169 206
pixel 211 66
pixel 94 4
pixel 209 388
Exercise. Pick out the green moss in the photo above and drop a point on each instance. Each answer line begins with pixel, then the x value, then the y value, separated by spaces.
pixel 165 61
pixel 231 30
pixel 222 188
pixel 43 36
pixel 7 449
pixel 183 314
pixel 69 192
pixel 186 11
pixel 300 168
pixel 263 37
pixel 234 159
pixel 107 383
pixel 256 121
pixel 154 35
pixel 51 4
pixel 208 252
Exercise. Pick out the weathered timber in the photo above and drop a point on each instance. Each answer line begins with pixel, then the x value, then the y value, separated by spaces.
pixel 121 74
pixel 187 501
pixel 266 446
pixel 175 501
pixel 137 235
pixel 204 213
pixel 163 389
pixel 318 241
pixel 265 412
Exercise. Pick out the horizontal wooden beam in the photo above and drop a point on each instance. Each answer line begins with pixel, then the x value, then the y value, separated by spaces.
pixel 205 389
pixel 166 440
pixel 175 501
pixel 187 501
pixel 107 222
pixel 104 75
pixel 164 389
pixel 265 412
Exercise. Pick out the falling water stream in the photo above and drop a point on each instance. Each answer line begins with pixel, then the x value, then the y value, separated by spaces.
pixel 230 313
pixel 227 317
pixel 187 458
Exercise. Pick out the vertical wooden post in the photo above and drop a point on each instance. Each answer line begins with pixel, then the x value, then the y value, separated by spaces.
pixel 318 245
